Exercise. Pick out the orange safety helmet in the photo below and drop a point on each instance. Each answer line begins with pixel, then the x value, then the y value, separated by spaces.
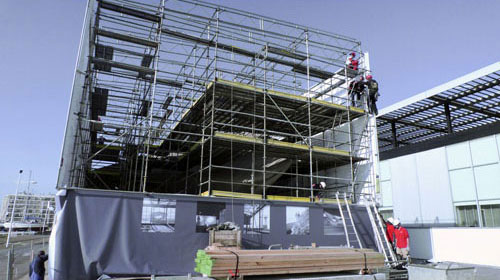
pixel 369 77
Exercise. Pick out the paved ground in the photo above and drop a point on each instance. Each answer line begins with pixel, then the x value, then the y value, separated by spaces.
pixel 24 247
pixel 482 272
pixel 487 273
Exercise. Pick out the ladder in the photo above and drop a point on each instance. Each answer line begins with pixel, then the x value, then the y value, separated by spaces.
pixel 380 233
pixel 351 234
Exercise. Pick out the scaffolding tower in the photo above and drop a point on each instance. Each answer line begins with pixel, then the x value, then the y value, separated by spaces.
pixel 190 97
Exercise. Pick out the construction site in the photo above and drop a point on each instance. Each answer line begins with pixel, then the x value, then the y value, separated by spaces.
pixel 228 139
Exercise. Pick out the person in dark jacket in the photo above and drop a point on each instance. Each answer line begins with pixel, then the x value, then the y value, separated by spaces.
pixel 317 188
pixel 373 94
pixel 356 89
pixel 37 266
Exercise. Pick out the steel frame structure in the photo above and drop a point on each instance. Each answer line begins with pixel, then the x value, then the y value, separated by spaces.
pixel 186 96
pixel 464 103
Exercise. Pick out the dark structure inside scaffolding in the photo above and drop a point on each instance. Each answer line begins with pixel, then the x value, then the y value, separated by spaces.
pixel 190 97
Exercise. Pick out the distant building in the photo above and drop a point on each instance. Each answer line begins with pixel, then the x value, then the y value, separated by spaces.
pixel 440 168
pixel 31 212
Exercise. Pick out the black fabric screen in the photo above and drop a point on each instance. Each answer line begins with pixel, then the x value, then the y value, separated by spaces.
pixel 100 232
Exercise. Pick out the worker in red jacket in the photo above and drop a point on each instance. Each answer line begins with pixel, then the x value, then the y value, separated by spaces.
pixel 389 230
pixel 402 240
pixel 352 62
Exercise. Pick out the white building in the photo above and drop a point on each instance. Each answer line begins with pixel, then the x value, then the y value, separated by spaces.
pixel 439 170
pixel 30 211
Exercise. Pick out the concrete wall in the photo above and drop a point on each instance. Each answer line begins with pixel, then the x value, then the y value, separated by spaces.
pixel 420 243
pixel 466 245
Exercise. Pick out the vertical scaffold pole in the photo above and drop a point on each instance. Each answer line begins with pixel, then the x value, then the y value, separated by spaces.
pixel 254 62
pixel 349 134
pixel 265 124
pixel 309 117
pixel 153 92
pixel 212 116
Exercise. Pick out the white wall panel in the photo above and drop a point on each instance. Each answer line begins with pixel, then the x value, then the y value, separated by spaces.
pixel 405 189
pixel 386 191
pixel 72 123
pixel 488 181
pixel 498 143
pixel 434 186
pixel 385 170
pixel 462 185
pixel 458 155
pixel 484 150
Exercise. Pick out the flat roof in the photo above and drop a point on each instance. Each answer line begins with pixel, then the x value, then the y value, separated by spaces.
pixel 467 102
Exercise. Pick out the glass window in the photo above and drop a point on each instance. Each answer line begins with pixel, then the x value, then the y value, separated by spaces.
pixel 467 216
pixel 488 181
pixel 297 220
pixel 257 218
pixel 332 222
pixel 462 185
pixel 458 155
pixel 491 215
pixel 158 215
pixel 483 150
pixel 209 214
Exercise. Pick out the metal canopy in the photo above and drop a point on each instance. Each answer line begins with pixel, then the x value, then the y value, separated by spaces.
pixel 470 101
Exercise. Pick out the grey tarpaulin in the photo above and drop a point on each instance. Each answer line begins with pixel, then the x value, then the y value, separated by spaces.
pixel 100 232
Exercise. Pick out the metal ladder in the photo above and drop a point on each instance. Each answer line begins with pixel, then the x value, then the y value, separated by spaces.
pixel 351 234
pixel 380 233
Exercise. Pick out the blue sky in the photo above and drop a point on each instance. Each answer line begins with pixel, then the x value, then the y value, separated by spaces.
pixel 413 45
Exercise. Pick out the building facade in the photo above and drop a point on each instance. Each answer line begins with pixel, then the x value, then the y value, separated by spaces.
pixel 30 211
pixel 458 184
pixel 440 165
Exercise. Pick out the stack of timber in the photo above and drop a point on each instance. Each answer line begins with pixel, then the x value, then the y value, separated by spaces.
pixel 223 262
pixel 226 238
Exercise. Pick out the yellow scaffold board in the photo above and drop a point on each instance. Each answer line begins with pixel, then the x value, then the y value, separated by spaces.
pixel 253 89
pixel 277 143
pixel 331 200
pixel 288 198
pixel 232 194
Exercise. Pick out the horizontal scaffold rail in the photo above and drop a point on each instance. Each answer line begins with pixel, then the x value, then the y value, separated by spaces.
pixel 242 103
pixel 285 149
pixel 244 91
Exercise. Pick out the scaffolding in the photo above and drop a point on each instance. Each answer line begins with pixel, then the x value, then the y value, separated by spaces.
pixel 190 97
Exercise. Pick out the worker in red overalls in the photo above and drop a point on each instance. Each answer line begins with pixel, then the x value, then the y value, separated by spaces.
pixel 402 240
pixel 389 230
pixel 352 62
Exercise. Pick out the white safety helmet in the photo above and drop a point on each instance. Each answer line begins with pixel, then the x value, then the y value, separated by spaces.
pixel 396 222
pixel 390 220
pixel 322 185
